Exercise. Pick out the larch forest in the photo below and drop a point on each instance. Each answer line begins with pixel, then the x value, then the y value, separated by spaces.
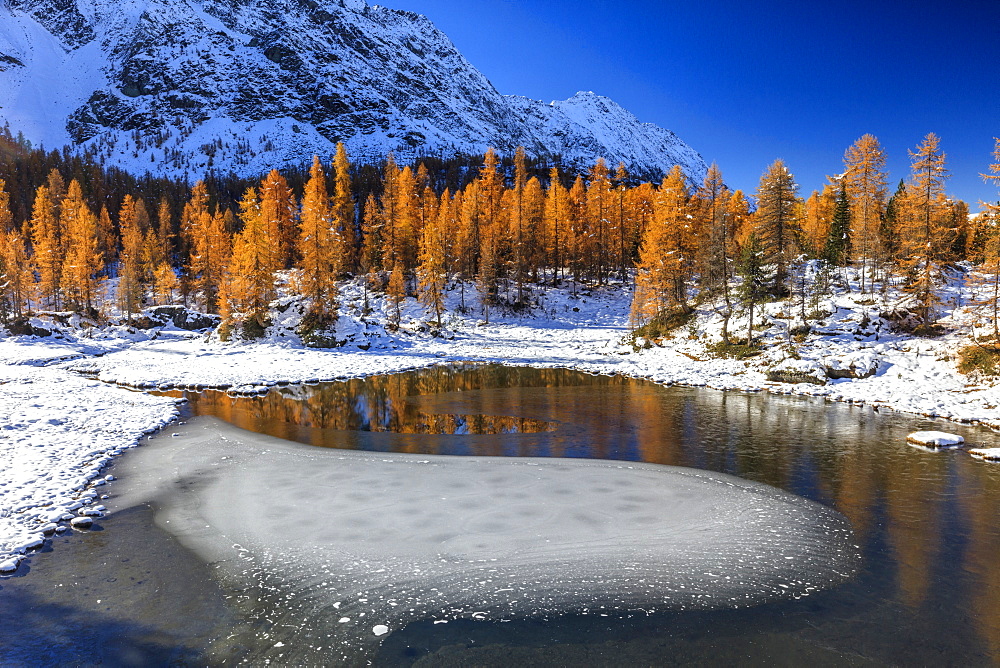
pixel 77 238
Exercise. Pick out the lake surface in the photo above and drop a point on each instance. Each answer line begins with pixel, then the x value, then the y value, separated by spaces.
pixel 928 591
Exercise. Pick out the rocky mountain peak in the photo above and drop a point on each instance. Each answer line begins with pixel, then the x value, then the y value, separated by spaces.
pixel 184 86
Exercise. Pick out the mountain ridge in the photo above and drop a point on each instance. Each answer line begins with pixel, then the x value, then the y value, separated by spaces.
pixel 188 86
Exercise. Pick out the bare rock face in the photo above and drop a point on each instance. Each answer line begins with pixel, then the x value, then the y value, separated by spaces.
pixel 184 86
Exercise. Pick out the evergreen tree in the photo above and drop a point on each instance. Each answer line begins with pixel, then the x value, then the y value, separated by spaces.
pixel 889 230
pixel 838 241
pixel 757 279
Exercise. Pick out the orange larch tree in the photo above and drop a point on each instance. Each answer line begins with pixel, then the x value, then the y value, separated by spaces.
pixel 344 212
pixel 867 186
pixel 83 260
pixel 277 213
pixel 130 265
pixel 46 247
pixel 320 248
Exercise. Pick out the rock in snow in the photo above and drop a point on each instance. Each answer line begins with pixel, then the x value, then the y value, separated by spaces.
pixel 195 85
pixel 935 439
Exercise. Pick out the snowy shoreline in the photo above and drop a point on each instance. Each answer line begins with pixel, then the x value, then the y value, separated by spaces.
pixel 63 419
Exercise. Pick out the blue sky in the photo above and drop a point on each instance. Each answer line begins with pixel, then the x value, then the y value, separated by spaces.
pixel 745 82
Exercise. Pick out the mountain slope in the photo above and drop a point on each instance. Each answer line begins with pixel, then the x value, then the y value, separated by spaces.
pixel 188 85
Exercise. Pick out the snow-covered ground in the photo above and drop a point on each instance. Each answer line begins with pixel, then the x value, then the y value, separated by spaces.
pixel 60 424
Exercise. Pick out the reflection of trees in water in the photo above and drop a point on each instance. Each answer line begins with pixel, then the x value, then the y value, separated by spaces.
pixel 904 504
pixel 983 552
pixel 380 404
pixel 914 522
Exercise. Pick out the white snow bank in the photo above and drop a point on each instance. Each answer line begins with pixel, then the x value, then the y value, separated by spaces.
pixel 935 439
pixel 57 433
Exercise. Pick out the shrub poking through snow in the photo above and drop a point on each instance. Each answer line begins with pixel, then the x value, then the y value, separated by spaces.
pixel 662 325
pixel 318 329
pixel 244 327
pixel 739 350
pixel 984 359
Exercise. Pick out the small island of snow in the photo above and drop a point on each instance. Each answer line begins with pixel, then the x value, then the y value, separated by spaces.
pixel 935 439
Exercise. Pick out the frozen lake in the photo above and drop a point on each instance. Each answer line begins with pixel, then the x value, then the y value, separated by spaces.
pixel 537 561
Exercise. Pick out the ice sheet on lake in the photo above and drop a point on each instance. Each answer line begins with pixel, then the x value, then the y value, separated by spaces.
pixel 380 540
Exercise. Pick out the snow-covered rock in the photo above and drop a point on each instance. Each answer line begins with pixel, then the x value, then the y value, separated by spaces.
pixel 185 86
pixel 798 371
pixel 935 439
pixel 988 454
pixel 857 365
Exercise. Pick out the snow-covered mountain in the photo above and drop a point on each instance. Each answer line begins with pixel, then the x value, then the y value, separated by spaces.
pixel 181 86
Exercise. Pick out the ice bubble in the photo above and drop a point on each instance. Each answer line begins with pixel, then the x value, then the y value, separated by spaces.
pixel 380 629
